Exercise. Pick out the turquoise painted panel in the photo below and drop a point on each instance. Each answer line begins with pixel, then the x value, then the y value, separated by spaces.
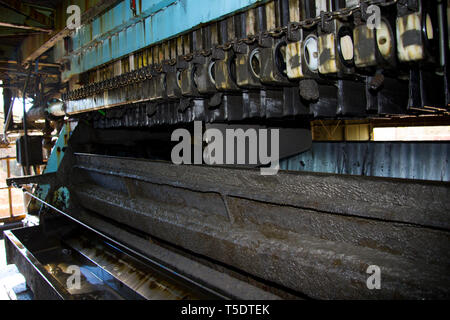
pixel 122 33
pixel 55 159
pixel 58 150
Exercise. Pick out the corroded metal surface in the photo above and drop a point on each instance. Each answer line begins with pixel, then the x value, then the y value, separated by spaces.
pixel 144 280
pixel 312 233
pixel 415 202
pixel 49 263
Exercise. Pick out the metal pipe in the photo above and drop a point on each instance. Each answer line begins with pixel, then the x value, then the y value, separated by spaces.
pixel 35 114
pixel 55 109
pixel 8 175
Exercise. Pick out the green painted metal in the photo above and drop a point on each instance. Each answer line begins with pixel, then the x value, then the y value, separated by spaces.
pixel 53 163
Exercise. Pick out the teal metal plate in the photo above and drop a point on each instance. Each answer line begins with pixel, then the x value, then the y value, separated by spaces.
pixel 118 33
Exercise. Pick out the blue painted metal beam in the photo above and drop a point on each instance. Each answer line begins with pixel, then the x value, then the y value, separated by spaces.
pixel 118 33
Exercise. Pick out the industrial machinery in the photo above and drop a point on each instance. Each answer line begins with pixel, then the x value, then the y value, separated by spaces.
pixel 112 201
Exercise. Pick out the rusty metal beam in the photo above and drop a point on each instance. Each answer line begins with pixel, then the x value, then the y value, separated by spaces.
pixel 18 72
pixel 17 26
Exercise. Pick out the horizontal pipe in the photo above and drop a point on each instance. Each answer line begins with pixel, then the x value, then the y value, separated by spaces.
pixel 57 109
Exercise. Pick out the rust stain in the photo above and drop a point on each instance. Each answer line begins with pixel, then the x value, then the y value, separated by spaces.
pixel 337 262
pixel 58 154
